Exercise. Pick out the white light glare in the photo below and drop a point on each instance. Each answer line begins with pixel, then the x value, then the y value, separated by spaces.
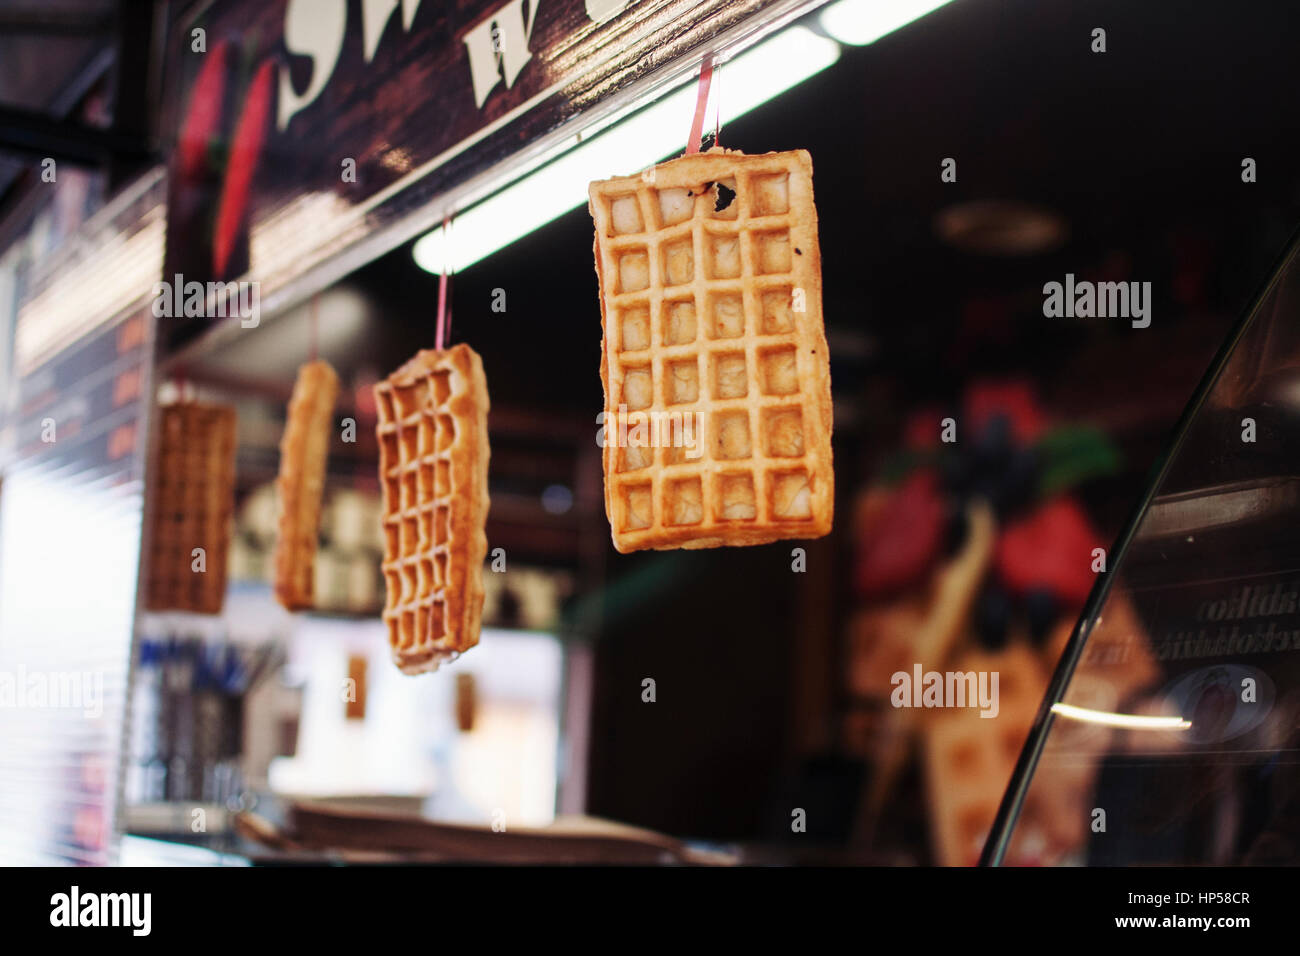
pixel 859 22
pixel 753 78
pixel 1130 721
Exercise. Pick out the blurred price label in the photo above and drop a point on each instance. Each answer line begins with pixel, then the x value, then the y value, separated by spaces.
pixel 130 334
pixel 126 387
pixel 121 441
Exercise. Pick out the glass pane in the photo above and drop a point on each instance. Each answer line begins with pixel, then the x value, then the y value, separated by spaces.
pixel 1176 739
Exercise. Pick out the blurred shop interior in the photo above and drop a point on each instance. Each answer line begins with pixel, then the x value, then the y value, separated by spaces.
pixel 772 684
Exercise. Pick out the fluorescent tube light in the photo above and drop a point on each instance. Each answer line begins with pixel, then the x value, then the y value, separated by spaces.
pixel 750 80
pixel 859 22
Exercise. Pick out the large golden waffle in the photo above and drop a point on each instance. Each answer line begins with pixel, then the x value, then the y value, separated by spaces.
pixel 714 360
pixel 194 497
pixel 433 456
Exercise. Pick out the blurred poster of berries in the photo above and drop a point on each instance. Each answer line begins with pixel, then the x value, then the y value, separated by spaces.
pixel 999 446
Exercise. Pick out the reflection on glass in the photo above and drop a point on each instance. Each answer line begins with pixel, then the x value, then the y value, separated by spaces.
pixel 1176 739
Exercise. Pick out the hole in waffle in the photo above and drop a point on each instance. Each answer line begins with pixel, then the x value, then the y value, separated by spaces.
pixel 384 399
pixel 731 435
pixel 442 482
pixel 394 632
pixel 392 491
pixel 783 432
pixel 791 495
pixel 637 507
pixel 685 504
pixel 625 215
pixel 442 525
pixel 683 381
pixel 409 582
pixel 410 494
pixel 679 321
pixel 407 636
pixel 675 205
pixel 735 499
pixel 391 536
pixel 438 620
pixel 773 251
pixel 425 579
pixel 771 195
pixel 724 256
pixel 634 456
pixel 724 199
pixel 388 448
pixel 677 455
pixel 426 481
pixel 780 371
pixel 635 329
pixel 446 432
pixel 440 579
pixel 729 375
pixel 410 535
pixel 427 437
pixel 778 316
pixel 726 316
pixel 678 262
pixel 409 439
pixel 441 387
pixel 638 387
pixel 425 517
pixel 408 399
pixel 633 271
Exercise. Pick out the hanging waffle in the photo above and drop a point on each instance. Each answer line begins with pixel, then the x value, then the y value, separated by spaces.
pixel 194 497
pixel 714 359
pixel 433 455
pixel 303 452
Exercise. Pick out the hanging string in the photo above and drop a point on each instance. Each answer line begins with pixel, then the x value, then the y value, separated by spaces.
pixel 717 113
pixel 701 105
pixel 314 325
pixel 444 280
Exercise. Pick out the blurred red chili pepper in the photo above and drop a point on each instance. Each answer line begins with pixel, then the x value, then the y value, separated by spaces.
pixel 250 136
pixel 203 117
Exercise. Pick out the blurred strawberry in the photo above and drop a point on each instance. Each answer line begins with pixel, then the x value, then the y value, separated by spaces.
pixel 901 546
pixel 921 430
pixel 1050 549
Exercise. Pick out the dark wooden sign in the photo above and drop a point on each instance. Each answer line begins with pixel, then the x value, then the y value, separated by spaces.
pixel 305 126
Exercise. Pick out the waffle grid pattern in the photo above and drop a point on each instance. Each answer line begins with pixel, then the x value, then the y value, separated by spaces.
pixel 433 462
pixel 711 303
pixel 193 503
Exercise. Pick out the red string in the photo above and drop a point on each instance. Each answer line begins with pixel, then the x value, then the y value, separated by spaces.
pixel 701 105
pixel 717 121
pixel 444 313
